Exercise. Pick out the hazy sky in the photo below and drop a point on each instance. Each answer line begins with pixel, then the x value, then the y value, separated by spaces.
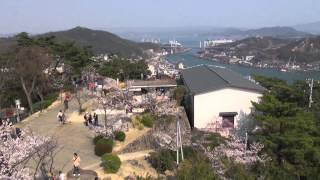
pixel 44 15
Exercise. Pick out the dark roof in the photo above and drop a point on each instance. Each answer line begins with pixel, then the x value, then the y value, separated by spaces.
pixel 228 113
pixel 204 78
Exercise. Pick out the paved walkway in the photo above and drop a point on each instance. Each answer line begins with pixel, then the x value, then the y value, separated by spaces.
pixel 75 137
pixel 72 137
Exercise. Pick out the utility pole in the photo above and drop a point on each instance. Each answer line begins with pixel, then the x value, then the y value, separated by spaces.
pixel 179 141
pixel 310 82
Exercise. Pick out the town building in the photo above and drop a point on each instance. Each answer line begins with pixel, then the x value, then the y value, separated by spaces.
pixel 218 98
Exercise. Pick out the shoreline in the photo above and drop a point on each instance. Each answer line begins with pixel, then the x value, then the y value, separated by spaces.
pixel 255 67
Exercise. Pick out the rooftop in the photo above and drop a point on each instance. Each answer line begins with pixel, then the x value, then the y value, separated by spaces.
pixel 204 78
pixel 152 83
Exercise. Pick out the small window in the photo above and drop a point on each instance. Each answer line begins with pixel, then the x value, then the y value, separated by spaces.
pixel 228 119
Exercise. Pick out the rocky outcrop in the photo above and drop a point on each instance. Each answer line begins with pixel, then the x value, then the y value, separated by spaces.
pixel 163 135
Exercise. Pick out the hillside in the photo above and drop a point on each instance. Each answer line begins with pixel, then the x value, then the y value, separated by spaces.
pixel 313 27
pixel 276 32
pixel 304 50
pixel 99 41
pixel 272 50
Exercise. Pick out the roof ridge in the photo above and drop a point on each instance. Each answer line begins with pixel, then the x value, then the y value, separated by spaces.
pixel 228 82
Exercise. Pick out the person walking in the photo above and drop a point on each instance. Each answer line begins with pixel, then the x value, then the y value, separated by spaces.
pixel 61 176
pixel 60 116
pixel 95 119
pixel 76 164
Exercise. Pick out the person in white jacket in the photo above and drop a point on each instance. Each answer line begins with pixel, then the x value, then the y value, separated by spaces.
pixel 61 176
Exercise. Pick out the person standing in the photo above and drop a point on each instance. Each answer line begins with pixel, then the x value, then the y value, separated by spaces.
pixel 63 118
pixel 90 118
pixel 85 117
pixel 76 164
pixel 66 104
pixel 95 119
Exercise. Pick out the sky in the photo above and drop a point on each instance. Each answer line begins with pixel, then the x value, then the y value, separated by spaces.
pixel 36 16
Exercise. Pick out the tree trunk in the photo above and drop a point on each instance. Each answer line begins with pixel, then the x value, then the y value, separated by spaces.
pixel 41 99
pixel 28 93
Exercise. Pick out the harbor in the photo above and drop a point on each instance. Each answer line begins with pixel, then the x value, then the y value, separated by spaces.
pixel 191 59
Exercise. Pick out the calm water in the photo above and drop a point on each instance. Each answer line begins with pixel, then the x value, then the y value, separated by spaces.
pixel 188 59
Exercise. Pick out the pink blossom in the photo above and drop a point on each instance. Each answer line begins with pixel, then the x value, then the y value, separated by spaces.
pixel 16 151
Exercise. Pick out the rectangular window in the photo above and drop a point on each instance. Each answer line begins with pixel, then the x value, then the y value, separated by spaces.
pixel 228 119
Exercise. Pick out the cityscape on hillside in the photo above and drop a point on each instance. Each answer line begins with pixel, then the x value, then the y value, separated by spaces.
pixel 141 90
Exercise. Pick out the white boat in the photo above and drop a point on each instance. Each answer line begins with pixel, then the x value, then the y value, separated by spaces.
pixel 283 70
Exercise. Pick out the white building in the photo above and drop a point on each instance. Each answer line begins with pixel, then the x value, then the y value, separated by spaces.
pixel 217 98
pixel 180 65
pixel 249 58
pixel 152 69
pixel 212 43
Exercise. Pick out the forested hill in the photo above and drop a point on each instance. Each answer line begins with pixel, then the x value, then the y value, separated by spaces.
pixel 99 41
pixel 304 50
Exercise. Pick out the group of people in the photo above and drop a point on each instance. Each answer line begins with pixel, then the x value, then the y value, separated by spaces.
pixel 91 119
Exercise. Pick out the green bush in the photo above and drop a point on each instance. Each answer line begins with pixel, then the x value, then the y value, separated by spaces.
pixel 47 101
pixel 195 169
pixel 120 136
pixel 195 166
pixel 110 163
pixel 97 138
pixel 189 152
pixel 178 94
pixel 214 140
pixel 238 171
pixel 162 160
pixel 148 120
pixel 103 146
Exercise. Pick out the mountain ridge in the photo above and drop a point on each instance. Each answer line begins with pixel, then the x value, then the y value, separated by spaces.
pixel 100 41
pixel 283 32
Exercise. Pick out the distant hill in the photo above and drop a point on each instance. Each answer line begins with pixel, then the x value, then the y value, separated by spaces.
pixel 276 32
pixel 313 28
pixel 269 49
pixel 303 50
pixel 99 41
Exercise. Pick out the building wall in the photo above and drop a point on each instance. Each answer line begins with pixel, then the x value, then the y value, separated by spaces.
pixel 208 106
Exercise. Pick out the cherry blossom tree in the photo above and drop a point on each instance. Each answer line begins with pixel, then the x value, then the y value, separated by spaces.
pixel 235 149
pixel 17 150
pixel 114 99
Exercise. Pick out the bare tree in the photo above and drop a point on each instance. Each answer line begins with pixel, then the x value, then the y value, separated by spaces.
pixel 29 65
